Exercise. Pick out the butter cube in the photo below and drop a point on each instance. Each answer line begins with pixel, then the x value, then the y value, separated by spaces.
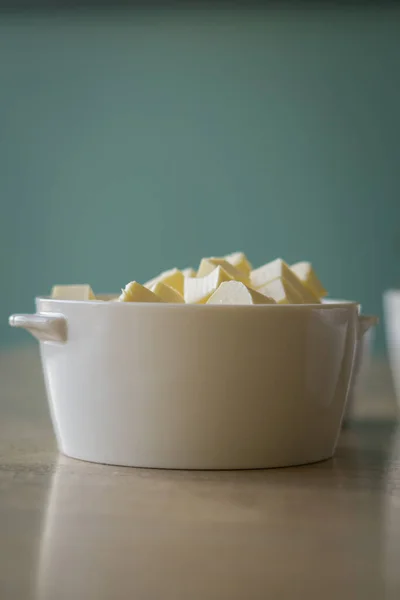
pixel 279 269
pixel 167 293
pixel 306 274
pixel 199 289
pixel 236 292
pixel 308 297
pixel 268 272
pixel 189 272
pixel 239 261
pixel 207 265
pixel 174 278
pixel 281 291
pixel 72 292
pixel 134 292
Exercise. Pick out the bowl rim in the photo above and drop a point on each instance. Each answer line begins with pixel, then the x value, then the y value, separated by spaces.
pixel 208 307
pixel 329 300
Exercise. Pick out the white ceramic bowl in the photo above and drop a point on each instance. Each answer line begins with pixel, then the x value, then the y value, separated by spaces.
pixel 391 305
pixel 196 387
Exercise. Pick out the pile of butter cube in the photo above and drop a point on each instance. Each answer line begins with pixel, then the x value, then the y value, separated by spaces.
pixel 227 280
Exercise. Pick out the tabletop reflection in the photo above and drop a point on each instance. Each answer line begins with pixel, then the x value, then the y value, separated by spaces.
pixel 124 533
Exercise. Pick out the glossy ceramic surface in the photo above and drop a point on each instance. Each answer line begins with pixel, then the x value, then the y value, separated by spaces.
pixel 196 387
pixel 362 360
pixel 391 304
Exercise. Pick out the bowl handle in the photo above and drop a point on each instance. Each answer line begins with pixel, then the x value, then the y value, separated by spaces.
pixel 365 322
pixel 46 327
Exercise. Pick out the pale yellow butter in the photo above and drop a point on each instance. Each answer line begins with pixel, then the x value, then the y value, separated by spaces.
pixel 279 269
pixel 207 265
pixel 72 292
pixel 189 272
pixel 306 294
pixel 269 271
pixel 134 292
pixel 167 293
pixel 240 261
pixel 236 292
pixel 304 271
pixel 174 278
pixel 281 291
pixel 199 289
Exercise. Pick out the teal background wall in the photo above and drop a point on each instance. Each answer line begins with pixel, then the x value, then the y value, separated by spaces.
pixel 134 141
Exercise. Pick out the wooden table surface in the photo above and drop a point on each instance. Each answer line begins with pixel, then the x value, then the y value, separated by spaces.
pixel 74 530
